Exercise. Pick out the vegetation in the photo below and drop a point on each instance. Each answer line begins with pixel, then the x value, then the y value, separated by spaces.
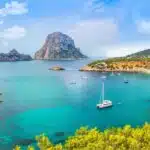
pixel 144 53
pixel 119 59
pixel 121 64
pixel 126 138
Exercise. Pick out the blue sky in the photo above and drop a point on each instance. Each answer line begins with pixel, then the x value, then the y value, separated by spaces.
pixel 99 27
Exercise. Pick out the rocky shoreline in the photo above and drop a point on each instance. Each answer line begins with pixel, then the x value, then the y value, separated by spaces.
pixel 134 70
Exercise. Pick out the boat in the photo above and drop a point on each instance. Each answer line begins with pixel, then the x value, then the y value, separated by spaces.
pixel 73 82
pixel 118 74
pixel 104 103
pixel 125 80
pixel 84 77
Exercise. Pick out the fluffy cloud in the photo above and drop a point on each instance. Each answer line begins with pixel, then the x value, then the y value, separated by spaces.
pixel 143 27
pixel 13 33
pixel 14 8
pixel 92 35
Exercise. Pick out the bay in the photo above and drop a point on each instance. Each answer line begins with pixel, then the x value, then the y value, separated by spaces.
pixel 38 100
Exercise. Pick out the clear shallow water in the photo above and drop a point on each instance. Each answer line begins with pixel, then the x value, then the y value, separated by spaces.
pixel 37 100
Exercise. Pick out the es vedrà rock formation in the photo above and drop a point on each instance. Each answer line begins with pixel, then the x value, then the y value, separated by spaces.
pixel 13 55
pixel 59 46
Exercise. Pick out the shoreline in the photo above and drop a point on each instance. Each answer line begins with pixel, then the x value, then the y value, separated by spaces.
pixel 135 70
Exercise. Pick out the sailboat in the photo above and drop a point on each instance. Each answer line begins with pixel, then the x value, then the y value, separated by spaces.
pixel 104 103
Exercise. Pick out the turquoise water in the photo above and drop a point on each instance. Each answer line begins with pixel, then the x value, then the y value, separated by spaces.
pixel 38 100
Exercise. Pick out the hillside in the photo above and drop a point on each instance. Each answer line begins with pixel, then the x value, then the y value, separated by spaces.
pixel 14 55
pixel 144 53
pixel 137 62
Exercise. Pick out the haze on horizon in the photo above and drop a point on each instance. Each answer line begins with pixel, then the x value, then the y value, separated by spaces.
pixel 99 27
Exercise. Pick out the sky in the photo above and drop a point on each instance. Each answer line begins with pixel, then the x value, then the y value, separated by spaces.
pixel 100 28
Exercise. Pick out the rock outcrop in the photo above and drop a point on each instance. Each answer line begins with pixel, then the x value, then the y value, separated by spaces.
pixel 59 46
pixel 13 55
pixel 57 68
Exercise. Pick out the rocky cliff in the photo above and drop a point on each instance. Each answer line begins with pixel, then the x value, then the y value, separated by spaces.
pixel 13 55
pixel 59 46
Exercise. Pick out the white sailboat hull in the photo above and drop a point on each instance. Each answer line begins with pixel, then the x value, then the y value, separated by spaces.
pixel 105 104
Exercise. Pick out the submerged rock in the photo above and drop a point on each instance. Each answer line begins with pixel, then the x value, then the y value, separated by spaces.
pixel 24 142
pixel 59 133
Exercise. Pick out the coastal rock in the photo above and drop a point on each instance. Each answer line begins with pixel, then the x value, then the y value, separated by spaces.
pixel 13 55
pixel 59 46
pixel 101 65
pixel 57 68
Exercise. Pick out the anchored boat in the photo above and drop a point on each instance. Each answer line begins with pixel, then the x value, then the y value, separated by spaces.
pixel 104 103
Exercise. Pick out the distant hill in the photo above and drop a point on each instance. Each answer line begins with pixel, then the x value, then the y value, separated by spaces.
pixel 144 53
pixel 14 55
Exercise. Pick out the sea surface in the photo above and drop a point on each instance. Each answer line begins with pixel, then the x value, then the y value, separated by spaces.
pixel 37 100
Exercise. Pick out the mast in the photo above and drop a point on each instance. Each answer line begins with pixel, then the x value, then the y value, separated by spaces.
pixel 102 91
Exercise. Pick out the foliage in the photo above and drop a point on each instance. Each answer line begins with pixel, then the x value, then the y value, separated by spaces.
pixel 119 59
pixel 126 138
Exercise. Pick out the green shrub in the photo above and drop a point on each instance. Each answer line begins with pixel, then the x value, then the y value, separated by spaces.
pixel 126 138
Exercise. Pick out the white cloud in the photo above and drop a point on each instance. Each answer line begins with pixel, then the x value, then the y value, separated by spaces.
pixel 143 27
pixel 92 35
pixel 14 8
pixel 13 33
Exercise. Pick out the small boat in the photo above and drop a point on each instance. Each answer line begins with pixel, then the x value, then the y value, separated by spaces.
pixel 118 74
pixel 125 80
pixel 73 82
pixel 104 103
pixel 84 77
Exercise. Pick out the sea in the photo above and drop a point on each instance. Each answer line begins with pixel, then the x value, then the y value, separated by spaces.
pixel 37 100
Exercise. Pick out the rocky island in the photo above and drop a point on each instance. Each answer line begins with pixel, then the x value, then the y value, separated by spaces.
pixel 59 46
pixel 137 62
pixel 13 55
pixel 57 68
